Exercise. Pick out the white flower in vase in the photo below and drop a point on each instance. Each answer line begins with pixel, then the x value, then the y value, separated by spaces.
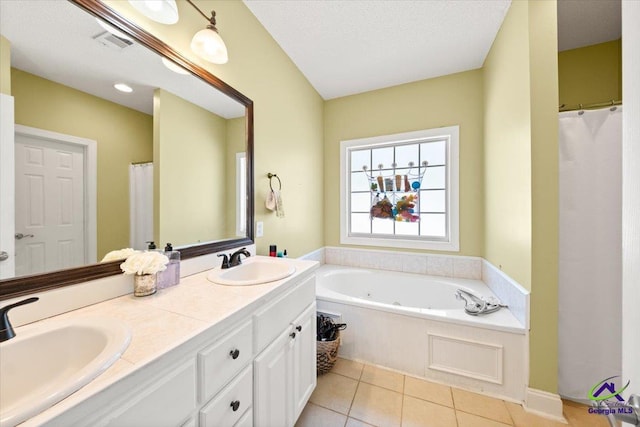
pixel 148 262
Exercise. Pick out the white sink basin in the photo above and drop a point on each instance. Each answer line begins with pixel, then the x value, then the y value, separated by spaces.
pixel 252 271
pixel 47 362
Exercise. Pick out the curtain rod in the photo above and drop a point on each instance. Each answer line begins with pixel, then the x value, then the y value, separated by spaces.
pixel 141 163
pixel 565 107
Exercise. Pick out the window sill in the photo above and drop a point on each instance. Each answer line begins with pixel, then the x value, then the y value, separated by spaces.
pixel 395 242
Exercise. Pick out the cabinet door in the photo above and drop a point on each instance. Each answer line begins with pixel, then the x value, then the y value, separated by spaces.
pixel 272 386
pixel 304 359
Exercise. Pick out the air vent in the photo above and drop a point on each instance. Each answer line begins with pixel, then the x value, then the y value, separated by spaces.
pixel 112 42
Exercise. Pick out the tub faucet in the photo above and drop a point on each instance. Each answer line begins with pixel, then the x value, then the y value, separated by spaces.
pixel 234 259
pixel 6 330
pixel 475 305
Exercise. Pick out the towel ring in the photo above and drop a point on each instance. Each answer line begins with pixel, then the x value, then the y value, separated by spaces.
pixel 271 176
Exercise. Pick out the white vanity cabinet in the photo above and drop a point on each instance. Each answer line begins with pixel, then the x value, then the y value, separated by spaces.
pixel 285 371
pixel 254 367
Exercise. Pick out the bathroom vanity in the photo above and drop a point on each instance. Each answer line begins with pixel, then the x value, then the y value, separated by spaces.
pixel 203 354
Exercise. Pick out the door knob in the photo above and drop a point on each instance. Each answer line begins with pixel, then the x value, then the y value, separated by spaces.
pixel 4 256
pixel 20 236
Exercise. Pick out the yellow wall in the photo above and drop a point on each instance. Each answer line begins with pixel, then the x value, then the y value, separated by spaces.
pixel 521 170
pixel 5 66
pixel 507 148
pixel 288 116
pixel 445 101
pixel 543 342
pixel 123 136
pixel 591 74
pixel 190 170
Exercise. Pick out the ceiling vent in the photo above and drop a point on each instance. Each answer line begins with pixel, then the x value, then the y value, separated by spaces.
pixel 112 42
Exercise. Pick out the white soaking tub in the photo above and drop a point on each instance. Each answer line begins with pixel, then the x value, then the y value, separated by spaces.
pixel 414 324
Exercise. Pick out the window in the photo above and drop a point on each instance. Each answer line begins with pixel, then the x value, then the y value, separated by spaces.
pixel 241 194
pixel 401 190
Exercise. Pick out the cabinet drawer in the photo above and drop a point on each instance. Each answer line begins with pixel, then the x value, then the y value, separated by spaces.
pixel 221 361
pixel 272 319
pixel 246 420
pixel 229 405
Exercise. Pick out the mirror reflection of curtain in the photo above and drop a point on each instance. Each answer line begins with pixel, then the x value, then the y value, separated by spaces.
pixel 140 204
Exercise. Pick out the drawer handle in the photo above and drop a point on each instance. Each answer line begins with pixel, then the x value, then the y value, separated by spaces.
pixel 292 334
pixel 234 354
pixel 298 328
pixel 235 405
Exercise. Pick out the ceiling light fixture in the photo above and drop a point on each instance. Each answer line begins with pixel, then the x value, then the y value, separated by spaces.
pixel 207 43
pixel 162 11
pixel 174 67
pixel 123 87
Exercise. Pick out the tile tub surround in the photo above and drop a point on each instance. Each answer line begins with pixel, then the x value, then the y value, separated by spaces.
pixel 353 393
pixel 461 267
pixel 166 320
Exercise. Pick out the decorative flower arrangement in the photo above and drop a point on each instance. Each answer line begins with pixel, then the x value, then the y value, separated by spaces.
pixel 148 262
pixel 119 254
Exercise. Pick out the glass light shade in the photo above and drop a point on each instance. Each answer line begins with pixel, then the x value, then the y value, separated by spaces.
pixel 208 45
pixel 174 67
pixel 162 11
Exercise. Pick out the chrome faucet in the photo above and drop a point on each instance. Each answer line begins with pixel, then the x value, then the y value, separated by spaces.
pixel 6 330
pixel 233 260
pixel 475 305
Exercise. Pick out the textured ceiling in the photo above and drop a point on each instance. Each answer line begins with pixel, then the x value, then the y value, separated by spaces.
pixel 586 22
pixel 347 47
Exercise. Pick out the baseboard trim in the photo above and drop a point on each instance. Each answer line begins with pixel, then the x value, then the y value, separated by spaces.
pixel 544 404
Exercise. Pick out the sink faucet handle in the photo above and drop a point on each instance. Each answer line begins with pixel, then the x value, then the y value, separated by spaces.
pixel 225 260
pixel 6 330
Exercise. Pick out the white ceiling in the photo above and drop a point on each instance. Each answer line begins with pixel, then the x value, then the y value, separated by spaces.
pixel 53 39
pixel 345 47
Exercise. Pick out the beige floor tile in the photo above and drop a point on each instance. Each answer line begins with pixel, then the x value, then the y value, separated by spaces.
pixel 578 416
pixel 522 418
pixel 317 416
pixel 383 378
pixel 348 368
pixel 420 413
pixel 470 420
pixel 377 406
pixel 479 404
pixel 352 422
pixel 334 392
pixel 426 390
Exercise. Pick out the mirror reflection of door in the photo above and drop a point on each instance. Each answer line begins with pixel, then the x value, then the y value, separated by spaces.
pixel 52 216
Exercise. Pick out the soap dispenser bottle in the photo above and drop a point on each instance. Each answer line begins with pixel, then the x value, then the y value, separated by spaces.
pixel 171 275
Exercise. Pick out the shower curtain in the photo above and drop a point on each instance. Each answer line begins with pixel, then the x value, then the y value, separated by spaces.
pixel 590 262
pixel 140 204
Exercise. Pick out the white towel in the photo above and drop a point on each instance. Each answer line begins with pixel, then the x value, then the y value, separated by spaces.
pixel 270 202
pixel 279 205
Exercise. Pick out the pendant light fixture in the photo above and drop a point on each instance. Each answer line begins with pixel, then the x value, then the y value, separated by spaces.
pixel 162 11
pixel 207 43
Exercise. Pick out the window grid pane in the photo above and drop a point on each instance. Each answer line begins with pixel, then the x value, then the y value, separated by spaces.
pixel 431 205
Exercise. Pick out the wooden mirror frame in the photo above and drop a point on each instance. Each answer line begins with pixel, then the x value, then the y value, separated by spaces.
pixel 10 288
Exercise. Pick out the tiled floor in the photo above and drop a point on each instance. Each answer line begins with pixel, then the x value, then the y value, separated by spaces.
pixel 357 395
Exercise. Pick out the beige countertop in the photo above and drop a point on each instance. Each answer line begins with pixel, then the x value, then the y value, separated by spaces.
pixel 162 322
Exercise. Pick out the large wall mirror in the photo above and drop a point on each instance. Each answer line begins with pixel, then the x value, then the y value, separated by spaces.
pixel 95 169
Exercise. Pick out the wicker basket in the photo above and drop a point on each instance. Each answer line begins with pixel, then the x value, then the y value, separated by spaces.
pixel 327 354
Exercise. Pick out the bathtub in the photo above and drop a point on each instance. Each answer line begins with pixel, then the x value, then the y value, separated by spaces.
pixel 413 323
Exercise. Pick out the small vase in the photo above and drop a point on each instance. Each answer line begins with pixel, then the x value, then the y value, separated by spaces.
pixel 144 284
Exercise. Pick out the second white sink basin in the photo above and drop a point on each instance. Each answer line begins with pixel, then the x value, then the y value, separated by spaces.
pixel 252 271
pixel 48 361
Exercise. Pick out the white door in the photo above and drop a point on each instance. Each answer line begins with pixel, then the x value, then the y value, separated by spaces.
pixel 50 205
pixel 631 196
pixel 304 359
pixel 272 376
pixel 7 176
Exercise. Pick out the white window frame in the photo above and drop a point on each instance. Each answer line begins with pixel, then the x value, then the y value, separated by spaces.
pixel 452 242
pixel 241 194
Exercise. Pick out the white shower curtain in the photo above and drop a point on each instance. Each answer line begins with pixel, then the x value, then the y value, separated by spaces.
pixel 140 204
pixel 590 283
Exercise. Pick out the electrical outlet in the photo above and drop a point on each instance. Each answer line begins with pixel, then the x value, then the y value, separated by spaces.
pixel 259 229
